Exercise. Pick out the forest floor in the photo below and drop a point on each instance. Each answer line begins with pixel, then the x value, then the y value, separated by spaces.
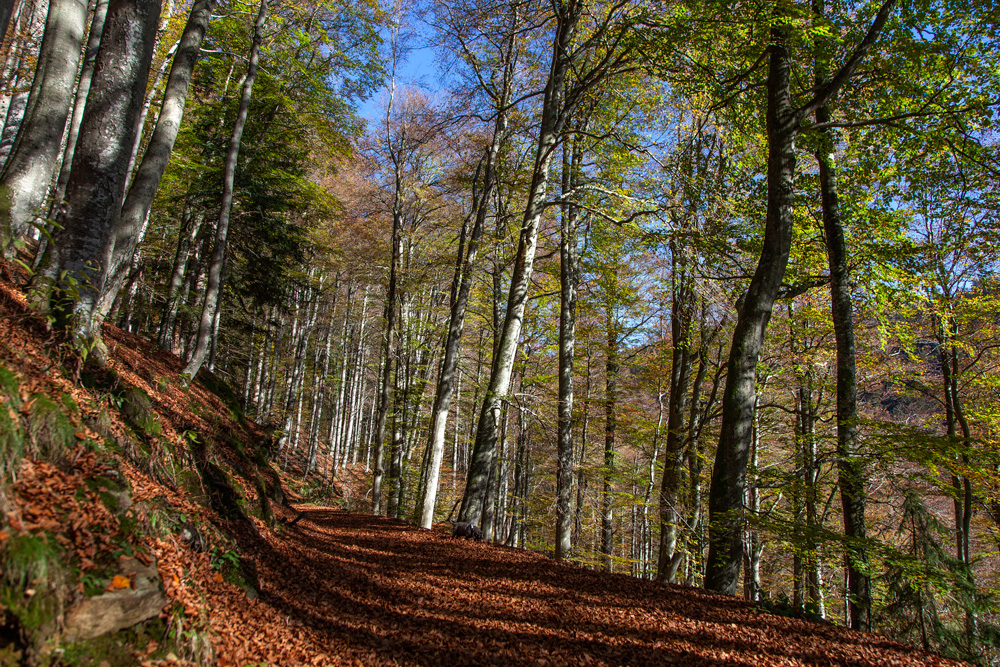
pixel 333 587
pixel 345 588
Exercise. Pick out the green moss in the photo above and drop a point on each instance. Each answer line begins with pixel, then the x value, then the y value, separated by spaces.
pixel 137 408
pixel 10 387
pixel 32 587
pixel 189 481
pixel 50 432
pixel 69 404
pixel 116 650
pixel 12 436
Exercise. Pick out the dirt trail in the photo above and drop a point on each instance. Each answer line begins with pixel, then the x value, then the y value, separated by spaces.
pixel 343 588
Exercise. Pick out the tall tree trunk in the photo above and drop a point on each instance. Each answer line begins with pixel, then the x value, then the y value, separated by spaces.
pixel 452 346
pixel 850 465
pixel 94 191
pixel 553 118
pixel 383 398
pixel 214 287
pixel 28 171
pixel 567 345
pixel 610 434
pixel 729 473
pixel 190 227
pixel 80 103
pixel 783 124
pixel 135 210
pixel 684 301
pixel 581 479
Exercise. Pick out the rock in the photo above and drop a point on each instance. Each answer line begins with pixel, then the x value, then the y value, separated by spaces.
pixel 193 538
pixel 118 609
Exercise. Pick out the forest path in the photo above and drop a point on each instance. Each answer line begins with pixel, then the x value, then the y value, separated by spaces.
pixel 348 589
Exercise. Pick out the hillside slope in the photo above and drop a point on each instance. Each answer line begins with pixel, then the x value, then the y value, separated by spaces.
pixel 108 473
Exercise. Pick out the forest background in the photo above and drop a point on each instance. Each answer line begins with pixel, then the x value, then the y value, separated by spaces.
pixel 702 292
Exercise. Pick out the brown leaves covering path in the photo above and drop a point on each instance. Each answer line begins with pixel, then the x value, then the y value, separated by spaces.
pixel 348 589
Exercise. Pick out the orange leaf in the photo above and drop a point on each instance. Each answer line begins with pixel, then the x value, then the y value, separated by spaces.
pixel 120 582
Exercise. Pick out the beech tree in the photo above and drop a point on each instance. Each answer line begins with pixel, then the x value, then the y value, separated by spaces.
pixel 81 253
pixel 571 43
pixel 29 167
pixel 784 122
pixel 137 204
pixel 500 72
pixel 213 288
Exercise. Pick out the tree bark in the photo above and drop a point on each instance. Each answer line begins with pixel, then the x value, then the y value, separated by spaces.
pixel 460 302
pixel 850 465
pixel 553 118
pixel 726 495
pixel 28 172
pixel 383 398
pixel 94 190
pixel 610 434
pixel 214 286
pixel 682 308
pixel 135 210
pixel 80 103
pixel 567 343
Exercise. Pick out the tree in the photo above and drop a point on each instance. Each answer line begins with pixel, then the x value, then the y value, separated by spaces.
pixel 139 200
pixel 29 167
pixel 784 122
pixel 213 288
pixel 81 255
pixel 468 249
pixel 561 95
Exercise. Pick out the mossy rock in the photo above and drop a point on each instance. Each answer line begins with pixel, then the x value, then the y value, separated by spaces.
pixel 137 408
pixel 113 490
pixel 117 649
pixel 33 593
pixel 225 499
pixel 189 481
pixel 224 392
pixel 50 433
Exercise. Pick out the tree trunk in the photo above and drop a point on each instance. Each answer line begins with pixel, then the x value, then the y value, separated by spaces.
pixel 459 305
pixel 80 103
pixel 610 434
pixel 850 466
pixel 684 301
pixel 553 117
pixel 783 123
pixel 383 398
pixel 729 473
pixel 94 190
pixel 214 287
pixel 135 210
pixel 28 172
pixel 567 342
